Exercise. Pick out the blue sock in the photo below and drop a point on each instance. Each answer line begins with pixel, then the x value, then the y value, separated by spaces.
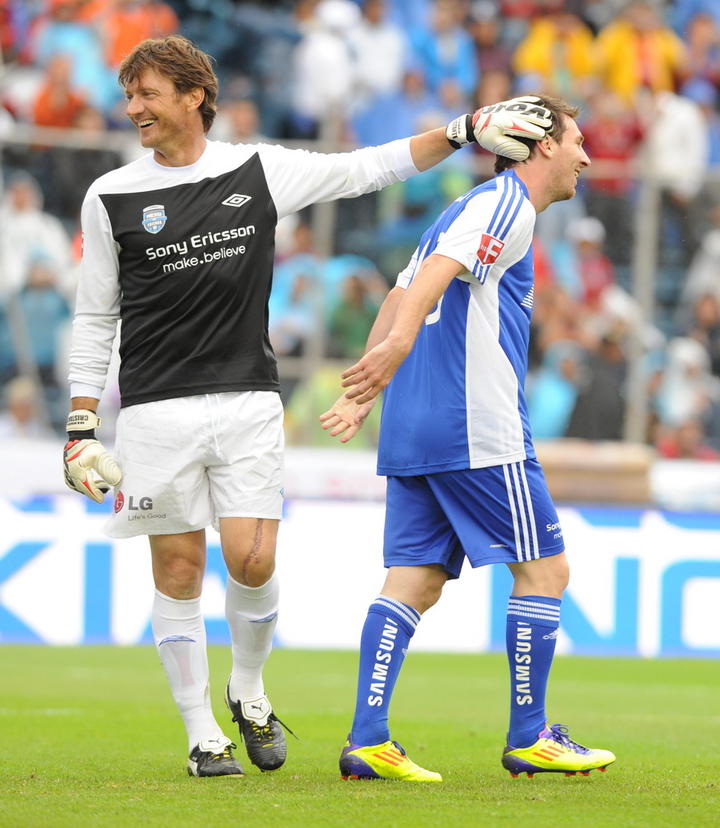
pixel 389 626
pixel 531 632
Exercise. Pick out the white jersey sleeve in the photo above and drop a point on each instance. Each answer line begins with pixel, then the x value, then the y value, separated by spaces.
pixel 493 231
pixel 297 178
pixel 97 306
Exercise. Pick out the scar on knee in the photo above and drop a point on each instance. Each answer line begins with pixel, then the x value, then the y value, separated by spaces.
pixel 254 553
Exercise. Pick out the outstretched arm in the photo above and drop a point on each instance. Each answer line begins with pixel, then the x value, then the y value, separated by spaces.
pixel 496 128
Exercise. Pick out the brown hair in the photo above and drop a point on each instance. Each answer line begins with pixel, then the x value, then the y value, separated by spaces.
pixel 184 64
pixel 557 107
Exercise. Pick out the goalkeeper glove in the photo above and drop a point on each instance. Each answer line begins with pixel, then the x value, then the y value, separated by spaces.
pixel 493 127
pixel 89 467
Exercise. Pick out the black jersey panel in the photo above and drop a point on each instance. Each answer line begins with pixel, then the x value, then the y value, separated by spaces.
pixel 195 271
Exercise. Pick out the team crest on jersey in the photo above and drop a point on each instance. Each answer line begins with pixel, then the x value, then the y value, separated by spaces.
pixel 490 248
pixel 154 218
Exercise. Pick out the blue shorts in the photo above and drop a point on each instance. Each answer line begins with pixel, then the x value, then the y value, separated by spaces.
pixel 498 514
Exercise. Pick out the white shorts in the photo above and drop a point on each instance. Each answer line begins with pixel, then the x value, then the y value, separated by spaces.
pixel 189 461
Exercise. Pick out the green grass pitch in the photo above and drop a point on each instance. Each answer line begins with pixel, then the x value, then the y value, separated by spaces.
pixel 90 738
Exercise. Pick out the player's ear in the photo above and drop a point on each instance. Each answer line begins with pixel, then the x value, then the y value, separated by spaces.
pixel 546 146
pixel 195 97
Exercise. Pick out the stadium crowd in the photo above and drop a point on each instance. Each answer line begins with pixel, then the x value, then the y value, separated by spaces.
pixel 646 74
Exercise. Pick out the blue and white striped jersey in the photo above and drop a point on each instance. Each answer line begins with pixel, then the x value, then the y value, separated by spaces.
pixel 457 401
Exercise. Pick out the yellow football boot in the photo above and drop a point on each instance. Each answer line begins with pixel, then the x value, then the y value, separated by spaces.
pixel 385 761
pixel 555 752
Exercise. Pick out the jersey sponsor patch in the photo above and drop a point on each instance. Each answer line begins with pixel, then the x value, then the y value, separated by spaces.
pixel 490 248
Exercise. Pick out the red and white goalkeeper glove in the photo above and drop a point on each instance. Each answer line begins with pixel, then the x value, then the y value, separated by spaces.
pixel 88 466
pixel 495 127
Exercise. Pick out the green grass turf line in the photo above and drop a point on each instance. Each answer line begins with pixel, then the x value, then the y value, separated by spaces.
pixel 91 738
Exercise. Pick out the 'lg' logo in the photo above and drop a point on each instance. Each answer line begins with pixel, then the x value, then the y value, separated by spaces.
pixel 144 504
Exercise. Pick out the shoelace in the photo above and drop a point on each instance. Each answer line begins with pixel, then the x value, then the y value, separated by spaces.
pixel 261 733
pixel 226 754
pixel 560 735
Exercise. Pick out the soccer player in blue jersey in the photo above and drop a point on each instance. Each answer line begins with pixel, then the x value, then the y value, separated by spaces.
pixel 450 346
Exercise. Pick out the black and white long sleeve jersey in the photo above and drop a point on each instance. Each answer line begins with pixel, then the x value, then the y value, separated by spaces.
pixel 183 256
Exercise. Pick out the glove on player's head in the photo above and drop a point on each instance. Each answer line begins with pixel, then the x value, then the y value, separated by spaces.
pixel 498 127
pixel 505 128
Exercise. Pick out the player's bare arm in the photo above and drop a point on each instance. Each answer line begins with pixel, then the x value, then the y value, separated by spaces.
pixel 345 418
pixel 373 372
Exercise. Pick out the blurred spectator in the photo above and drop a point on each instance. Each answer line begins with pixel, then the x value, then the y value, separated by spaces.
pixel 557 55
pixel 683 11
pixel 21 418
pixel 338 269
pixel 516 15
pixel 705 95
pixel 637 50
pixel 238 122
pixel 126 22
pixel 323 74
pixel 72 170
pixel 485 28
pixel 495 85
pixel 379 50
pixel 8 363
pixel 14 23
pixel 552 390
pixel 687 389
pixel 613 135
pixel 446 54
pixel 295 307
pixel 396 114
pixel 59 32
pixel 45 314
pixel 351 318
pixel 599 410
pixel 580 265
pixel 676 154
pixel 57 103
pixel 409 16
pixel 28 233
pixel 685 441
pixel 705 328
pixel 702 275
pixel 293 320
pixel 703 48
pixel 269 34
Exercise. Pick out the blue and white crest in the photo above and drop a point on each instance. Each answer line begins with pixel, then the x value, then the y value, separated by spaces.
pixel 154 218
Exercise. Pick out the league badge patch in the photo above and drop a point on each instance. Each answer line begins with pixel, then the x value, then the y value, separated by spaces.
pixel 490 248
pixel 154 218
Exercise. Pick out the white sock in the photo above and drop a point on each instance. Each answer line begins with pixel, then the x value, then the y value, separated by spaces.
pixel 180 640
pixel 251 614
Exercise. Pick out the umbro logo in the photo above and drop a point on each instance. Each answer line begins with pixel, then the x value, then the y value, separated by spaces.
pixel 236 200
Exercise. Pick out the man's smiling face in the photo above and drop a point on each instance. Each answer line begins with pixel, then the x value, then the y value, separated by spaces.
pixel 164 117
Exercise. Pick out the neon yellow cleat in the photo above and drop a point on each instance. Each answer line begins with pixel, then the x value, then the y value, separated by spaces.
pixel 555 752
pixel 385 761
